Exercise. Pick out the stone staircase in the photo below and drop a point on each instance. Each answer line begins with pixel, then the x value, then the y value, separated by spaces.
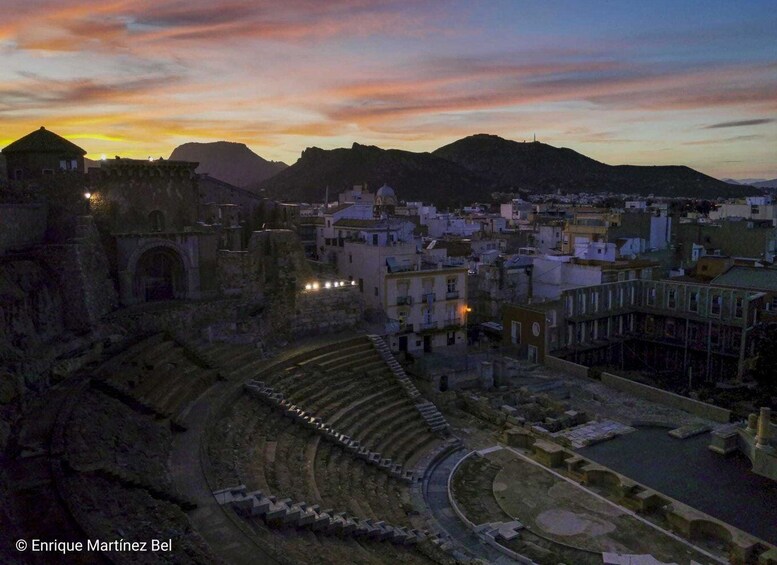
pixel 303 515
pixel 434 419
pixel 326 431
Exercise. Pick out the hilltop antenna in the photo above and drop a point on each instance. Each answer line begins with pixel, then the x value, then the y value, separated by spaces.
pixel 535 138
pixel 326 198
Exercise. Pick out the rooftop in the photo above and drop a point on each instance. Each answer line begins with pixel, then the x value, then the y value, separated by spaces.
pixel 43 141
pixel 751 278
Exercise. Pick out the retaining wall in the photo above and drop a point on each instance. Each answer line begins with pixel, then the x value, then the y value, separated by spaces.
pixel 566 366
pixel 701 409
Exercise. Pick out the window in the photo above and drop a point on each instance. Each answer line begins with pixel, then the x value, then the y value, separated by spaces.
pixel 570 305
pixel 156 221
pixel 376 291
pixel 651 296
pixel 581 299
pixel 715 334
pixel 515 332
pixel 671 298
pixel 738 306
pixel 375 239
pixel 715 304
pixel 650 325
pixel 350 257
pixel 594 302
pixel 361 285
pixel 451 284
pixel 693 301
pixel 609 298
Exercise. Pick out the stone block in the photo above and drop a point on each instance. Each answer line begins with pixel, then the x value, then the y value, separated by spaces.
pixel 549 454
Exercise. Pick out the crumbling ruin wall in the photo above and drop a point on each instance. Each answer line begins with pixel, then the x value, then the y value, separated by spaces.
pixel 328 310
pixel 276 262
pixel 80 268
pixel 31 308
pixel 21 225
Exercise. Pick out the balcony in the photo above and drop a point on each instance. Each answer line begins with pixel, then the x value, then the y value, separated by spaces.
pixel 452 322
pixel 452 295
pixel 404 300
pixel 423 326
pixel 428 297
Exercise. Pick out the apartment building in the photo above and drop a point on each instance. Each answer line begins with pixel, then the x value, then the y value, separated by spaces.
pixel 427 305
pixel 691 331
pixel 587 226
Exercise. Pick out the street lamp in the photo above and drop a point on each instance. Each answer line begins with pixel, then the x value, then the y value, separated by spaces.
pixel 467 310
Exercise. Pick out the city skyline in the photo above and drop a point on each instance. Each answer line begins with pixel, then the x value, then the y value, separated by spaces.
pixel 666 83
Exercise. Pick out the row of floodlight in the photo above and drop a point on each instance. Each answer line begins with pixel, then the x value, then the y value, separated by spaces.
pixel 329 284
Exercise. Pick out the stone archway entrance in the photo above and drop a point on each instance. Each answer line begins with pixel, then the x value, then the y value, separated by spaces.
pixel 160 275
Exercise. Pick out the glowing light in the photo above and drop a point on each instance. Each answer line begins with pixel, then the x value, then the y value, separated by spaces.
pixel 150 158
pixel 468 309
pixel 308 286
pixel 87 195
pixel 327 285
pixel 315 286
pixel 353 283
pixel 103 157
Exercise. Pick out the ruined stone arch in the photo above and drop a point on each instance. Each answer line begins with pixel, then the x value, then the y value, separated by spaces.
pixel 161 270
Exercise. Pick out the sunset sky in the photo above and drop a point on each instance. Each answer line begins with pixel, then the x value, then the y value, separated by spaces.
pixel 641 82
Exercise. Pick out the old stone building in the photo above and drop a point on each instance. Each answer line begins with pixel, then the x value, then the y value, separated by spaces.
pixel 42 153
pixel 151 211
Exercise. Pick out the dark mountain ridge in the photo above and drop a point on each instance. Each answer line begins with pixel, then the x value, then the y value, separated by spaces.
pixel 415 176
pixel 539 167
pixel 231 162
pixel 470 169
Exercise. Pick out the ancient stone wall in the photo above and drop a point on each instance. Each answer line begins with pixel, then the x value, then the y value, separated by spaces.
pixel 21 225
pixel 327 310
pixel 31 307
pixel 276 262
pixel 80 268
pixel 702 409
pixel 232 267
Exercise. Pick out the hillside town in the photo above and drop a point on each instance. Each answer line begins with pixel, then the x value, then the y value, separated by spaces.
pixel 332 365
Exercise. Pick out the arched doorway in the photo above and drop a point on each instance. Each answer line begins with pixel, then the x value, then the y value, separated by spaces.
pixel 159 275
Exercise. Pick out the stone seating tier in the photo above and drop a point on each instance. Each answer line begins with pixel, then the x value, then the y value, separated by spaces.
pixel 304 515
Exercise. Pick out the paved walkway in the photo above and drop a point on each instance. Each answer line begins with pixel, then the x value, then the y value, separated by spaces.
pixel 436 497
pixel 225 539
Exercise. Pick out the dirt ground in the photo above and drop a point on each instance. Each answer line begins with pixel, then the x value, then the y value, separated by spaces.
pixel 561 511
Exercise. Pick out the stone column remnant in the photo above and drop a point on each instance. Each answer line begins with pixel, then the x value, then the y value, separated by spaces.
pixel 764 428
pixel 752 423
